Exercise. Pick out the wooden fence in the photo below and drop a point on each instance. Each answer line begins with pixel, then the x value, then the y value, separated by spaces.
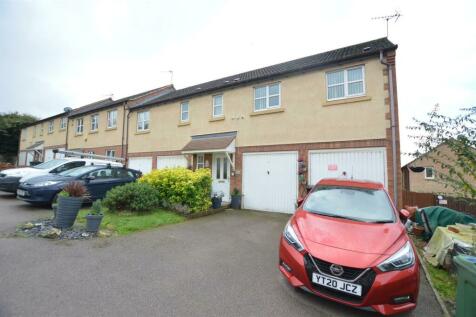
pixel 425 200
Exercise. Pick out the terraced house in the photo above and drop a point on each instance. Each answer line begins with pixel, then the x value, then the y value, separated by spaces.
pixel 269 132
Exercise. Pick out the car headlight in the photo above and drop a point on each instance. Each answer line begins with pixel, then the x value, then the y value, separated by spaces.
pixel 292 238
pixel 402 259
pixel 46 183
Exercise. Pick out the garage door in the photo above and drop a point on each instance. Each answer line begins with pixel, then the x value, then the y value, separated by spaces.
pixel 270 181
pixel 143 164
pixel 49 155
pixel 357 163
pixel 171 161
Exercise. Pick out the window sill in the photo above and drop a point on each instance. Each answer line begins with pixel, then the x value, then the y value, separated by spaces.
pixel 268 111
pixel 214 119
pixel 142 132
pixel 93 131
pixel 78 134
pixel 109 129
pixel 51 132
pixel 182 124
pixel 347 100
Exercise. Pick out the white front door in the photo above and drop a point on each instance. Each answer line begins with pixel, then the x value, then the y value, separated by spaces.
pixel 221 175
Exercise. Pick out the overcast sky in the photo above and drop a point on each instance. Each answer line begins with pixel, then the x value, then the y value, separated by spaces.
pixel 69 53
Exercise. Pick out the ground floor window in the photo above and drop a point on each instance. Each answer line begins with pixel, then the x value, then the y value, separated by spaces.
pixel 111 153
pixel 200 161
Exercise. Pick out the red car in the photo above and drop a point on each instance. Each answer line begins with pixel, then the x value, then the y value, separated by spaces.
pixel 346 243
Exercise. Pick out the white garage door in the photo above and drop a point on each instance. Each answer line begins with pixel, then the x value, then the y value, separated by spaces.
pixel 143 164
pixel 49 155
pixel 270 181
pixel 171 161
pixel 358 163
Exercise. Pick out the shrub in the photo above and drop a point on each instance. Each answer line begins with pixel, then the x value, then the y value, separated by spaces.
pixel 134 197
pixel 181 188
pixel 74 189
pixel 96 208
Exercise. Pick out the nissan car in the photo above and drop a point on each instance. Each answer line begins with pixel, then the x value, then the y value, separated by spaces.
pixel 346 243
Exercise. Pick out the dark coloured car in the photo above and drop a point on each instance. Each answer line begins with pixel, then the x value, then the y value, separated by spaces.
pixel 43 190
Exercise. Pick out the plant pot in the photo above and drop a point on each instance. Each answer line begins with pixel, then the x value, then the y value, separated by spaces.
pixel 93 222
pixel 67 211
pixel 216 202
pixel 55 208
pixel 236 201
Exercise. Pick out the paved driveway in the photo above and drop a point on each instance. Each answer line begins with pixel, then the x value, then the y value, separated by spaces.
pixel 221 265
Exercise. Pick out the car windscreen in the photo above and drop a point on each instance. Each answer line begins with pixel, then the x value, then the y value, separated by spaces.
pixel 50 164
pixel 78 171
pixel 359 204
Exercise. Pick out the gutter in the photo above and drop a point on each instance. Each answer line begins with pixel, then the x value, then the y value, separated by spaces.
pixel 393 127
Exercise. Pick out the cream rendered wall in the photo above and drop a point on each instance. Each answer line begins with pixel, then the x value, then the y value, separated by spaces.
pixel 103 137
pixel 307 117
pixel 57 137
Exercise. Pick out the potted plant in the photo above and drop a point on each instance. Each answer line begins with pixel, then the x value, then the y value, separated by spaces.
pixel 236 199
pixel 94 217
pixel 216 200
pixel 70 200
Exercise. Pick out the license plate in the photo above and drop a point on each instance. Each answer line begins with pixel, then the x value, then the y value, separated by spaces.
pixel 21 192
pixel 346 287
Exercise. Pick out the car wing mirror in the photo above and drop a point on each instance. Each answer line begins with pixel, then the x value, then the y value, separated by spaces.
pixel 299 202
pixel 89 178
pixel 404 214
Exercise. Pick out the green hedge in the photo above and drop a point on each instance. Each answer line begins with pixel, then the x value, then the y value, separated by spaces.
pixel 132 197
pixel 181 189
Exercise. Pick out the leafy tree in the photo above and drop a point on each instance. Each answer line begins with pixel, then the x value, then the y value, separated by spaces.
pixel 458 133
pixel 10 130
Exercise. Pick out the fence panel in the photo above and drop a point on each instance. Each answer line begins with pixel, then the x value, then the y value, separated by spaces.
pixel 427 199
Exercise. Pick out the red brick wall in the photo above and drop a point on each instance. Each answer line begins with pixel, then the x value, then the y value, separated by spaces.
pixel 102 150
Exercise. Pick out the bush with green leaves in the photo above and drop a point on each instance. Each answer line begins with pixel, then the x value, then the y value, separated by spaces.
pixel 181 189
pixel 134 197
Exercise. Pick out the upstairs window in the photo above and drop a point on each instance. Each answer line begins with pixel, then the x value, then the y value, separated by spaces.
pixel 51 126
pixel 34 131
pixel 112 119
pixel 345 83
pixel 63 123
pixel 24 133
pixel 41 129
pixel 218 106
pixel 79 126
pixel 267 97
pixel 143 121
pixel 429 173
pixel 184 111
pixel 94 122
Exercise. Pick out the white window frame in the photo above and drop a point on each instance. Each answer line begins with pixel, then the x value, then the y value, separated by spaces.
pixel 200 161
pixel 141 122
pixel 24 134
pixel 214 105
pixel 182 111
pixel 268 107
pixel 79 126
pixel 112 120
pixel 111 153
pixel 51 126
pixel 63 123
pixel 42 128
pixel 432 172
pixel 95 121
pixel 346 83
pixel 34 130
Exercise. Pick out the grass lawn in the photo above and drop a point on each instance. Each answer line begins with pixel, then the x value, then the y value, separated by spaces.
pixel 125 223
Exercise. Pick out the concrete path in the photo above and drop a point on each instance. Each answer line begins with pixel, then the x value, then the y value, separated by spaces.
pixel 221 265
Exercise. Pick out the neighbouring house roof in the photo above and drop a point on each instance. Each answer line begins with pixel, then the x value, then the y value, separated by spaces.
pixel 90 107
pixel 210 142
pixel 320 60
pixel 35 145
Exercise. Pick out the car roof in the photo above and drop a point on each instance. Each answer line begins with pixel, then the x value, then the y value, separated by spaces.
pixel 345 182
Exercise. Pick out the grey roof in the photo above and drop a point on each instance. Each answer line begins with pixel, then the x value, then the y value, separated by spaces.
pixel 34 145
pixel 205 142
pixel 357 51
pixel 91 107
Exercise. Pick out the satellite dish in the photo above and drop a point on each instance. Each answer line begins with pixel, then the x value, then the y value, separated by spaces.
pixel 67 109
pixel 417 169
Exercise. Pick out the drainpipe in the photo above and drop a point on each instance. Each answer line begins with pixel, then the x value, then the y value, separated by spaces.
pixel 127 137
pixel 393 127
pixel 123 154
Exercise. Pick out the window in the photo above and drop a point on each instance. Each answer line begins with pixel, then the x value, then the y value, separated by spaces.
pixel 267 97
pixel 104 173
pixel 63 123
pixel 345 83
pixel 51 126
pixel 218 106
pixel 41 129
pixel 429 173
pixel 94 122
pixel 143 121
pixel 200 161
pixel 68 166
pixel 24 133
pixel 112 119
pixel 79 126
pixel 111 153
pixel 34 131
pixel 184 109
pixel 90 152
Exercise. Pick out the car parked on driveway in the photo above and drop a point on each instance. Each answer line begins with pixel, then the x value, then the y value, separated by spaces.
pixel 11 178
pixel 346 243
pixel 43 190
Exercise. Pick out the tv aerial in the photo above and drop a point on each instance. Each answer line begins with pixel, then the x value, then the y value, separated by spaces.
pixel 387 18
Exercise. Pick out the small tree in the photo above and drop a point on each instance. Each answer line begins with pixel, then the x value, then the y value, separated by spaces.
pixel 10 129
pixel 458 166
